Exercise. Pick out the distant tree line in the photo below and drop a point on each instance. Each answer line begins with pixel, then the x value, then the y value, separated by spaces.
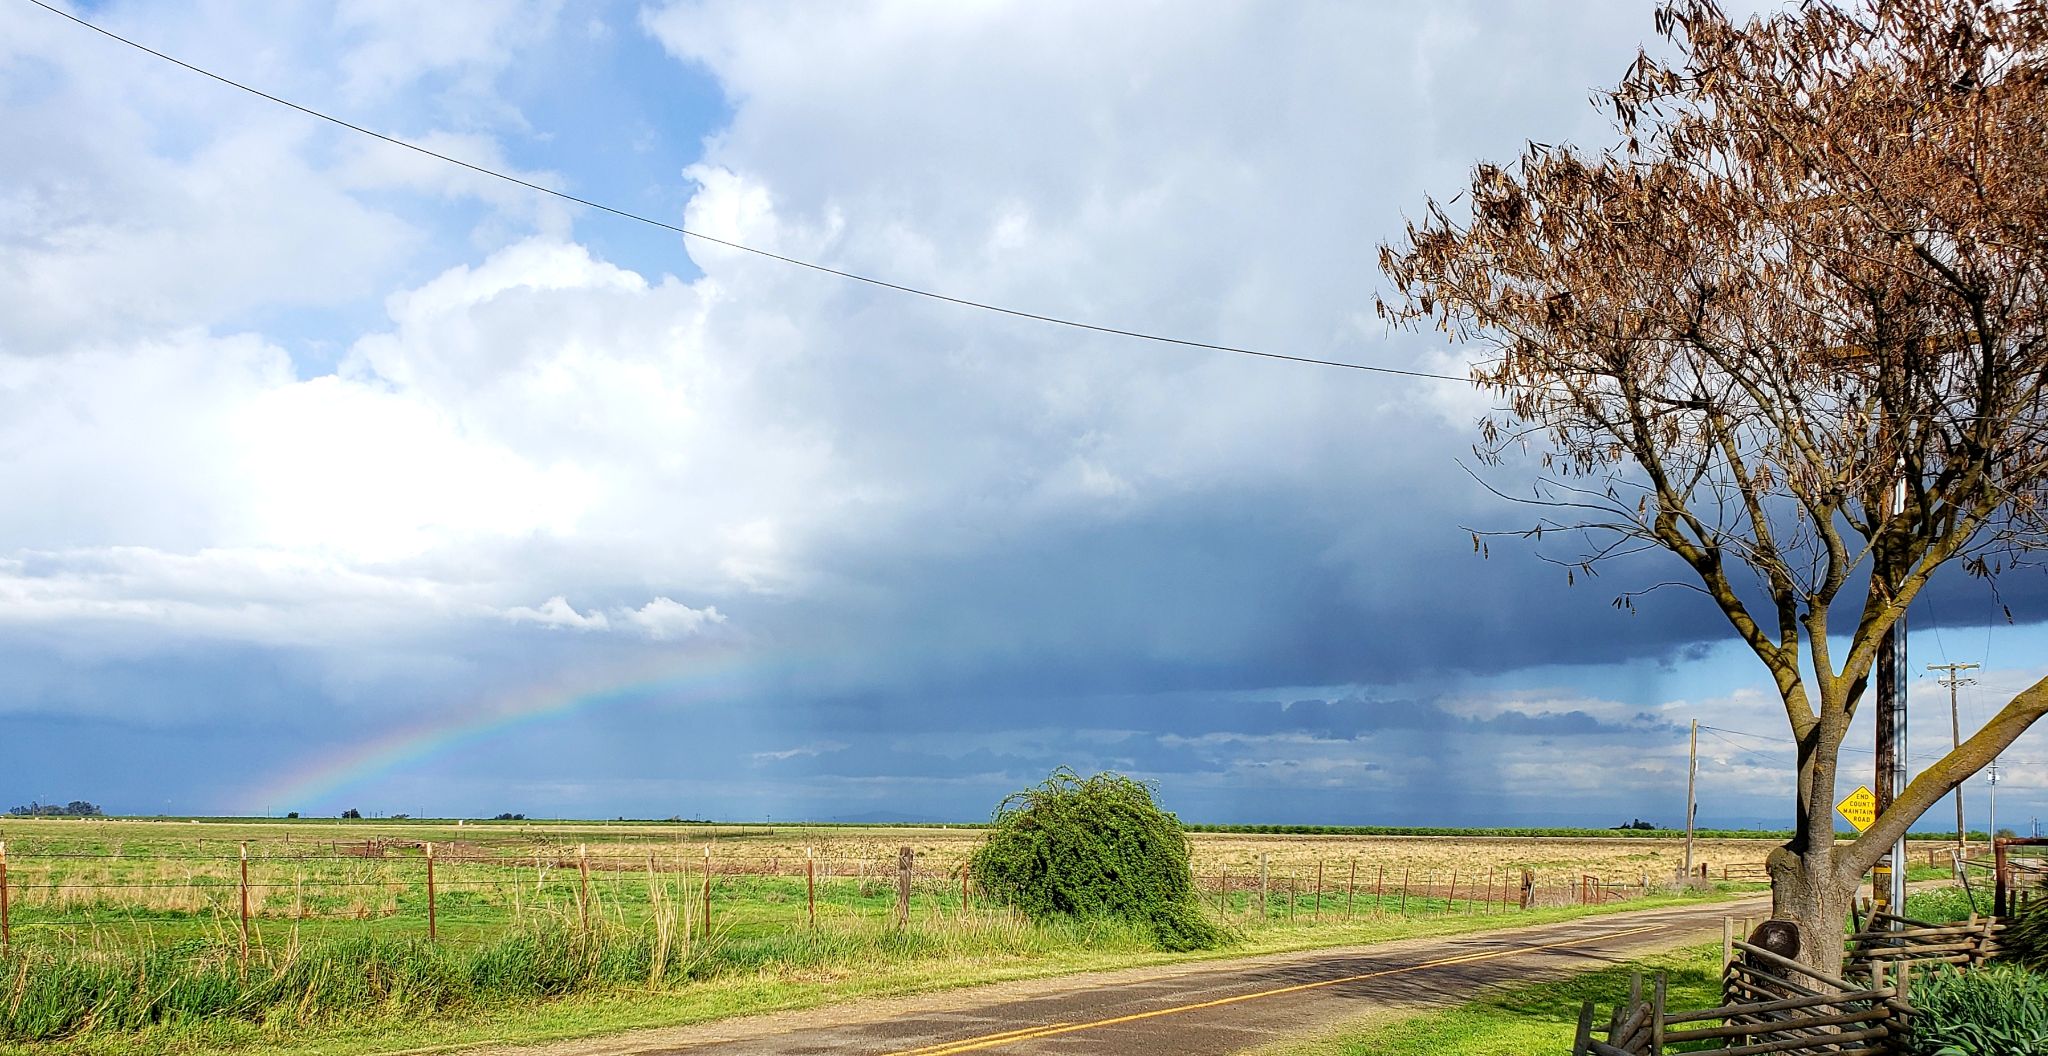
pixel 77 808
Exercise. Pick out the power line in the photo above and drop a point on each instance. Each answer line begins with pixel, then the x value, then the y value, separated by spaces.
pixel 1711 732
pixel 1922 756
pixel 627 214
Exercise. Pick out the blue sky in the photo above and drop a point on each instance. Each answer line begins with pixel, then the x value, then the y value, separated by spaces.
pixel 340 478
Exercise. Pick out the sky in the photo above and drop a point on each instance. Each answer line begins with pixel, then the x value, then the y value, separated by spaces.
pixel 342 478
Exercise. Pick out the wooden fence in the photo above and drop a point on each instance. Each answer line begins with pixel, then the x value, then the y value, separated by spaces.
pixel 1771 1004
pixel 1896 940
pixel 2016 877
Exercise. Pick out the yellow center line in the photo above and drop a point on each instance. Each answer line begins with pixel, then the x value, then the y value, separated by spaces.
pixel 1007 1035
pixel 989 1041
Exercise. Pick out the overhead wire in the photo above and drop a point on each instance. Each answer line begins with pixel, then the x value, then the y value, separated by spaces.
pixel 1711 732
pixel 854 276
pixel 1921 756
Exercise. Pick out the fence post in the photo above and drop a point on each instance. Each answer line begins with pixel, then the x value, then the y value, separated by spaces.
pixel 1657 1017
pixel 583 884
pixel 6 932
pixel 965 868
pixel 1404 890
pixel 433 928
pixel 905 860
pixel 705 913
pixel 2000 878
pixel 1379 890
pixel 1263 874
pixel 1293 894
pixel 1528 888
pixel 1223 893
pixel 245 908
pixel 1489 889
pixel 1318 913
pixel 1453 892
pixel 1727 943
pixel 811 885
pixel 1351 891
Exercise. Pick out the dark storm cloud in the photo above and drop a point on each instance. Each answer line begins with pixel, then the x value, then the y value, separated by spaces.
pixel 1237 590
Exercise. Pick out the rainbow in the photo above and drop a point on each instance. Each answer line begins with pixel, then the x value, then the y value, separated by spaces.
pixel 306 785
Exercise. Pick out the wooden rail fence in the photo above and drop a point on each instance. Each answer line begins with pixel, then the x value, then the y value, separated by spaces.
pixel 1771 1004
pixel 1896 940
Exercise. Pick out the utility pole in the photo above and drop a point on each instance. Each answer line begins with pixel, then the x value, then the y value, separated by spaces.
pixel 1992 831
pixel 1890 878
pixel 1692 773
pixel 1955 732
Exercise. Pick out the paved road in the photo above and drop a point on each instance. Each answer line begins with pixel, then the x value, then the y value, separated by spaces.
pixel 1194 1010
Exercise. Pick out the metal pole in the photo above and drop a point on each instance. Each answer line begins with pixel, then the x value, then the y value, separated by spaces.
pixel 1692 773
pixel 1992 823
pixel 6 932
pixel 1901 754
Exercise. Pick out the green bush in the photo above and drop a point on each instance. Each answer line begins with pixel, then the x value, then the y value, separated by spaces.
pixel 1942 905
pixel 2000 1010
pixel 1094 847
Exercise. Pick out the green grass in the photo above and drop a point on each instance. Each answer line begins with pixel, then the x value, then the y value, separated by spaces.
pixel 314 1001
pixel 1537 1018
pixel 1946 904
pixel 127 932
pixel 1541 1017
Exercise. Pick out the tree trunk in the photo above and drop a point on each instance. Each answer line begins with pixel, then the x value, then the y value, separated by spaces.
pixel 1804 891
pixel 1804 887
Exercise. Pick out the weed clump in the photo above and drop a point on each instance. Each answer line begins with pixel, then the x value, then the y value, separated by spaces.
pixel 1095 847
pixel 2026 934
pixel 2000 1009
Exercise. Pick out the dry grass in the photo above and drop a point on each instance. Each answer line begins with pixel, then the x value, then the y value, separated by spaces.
pixel 365 871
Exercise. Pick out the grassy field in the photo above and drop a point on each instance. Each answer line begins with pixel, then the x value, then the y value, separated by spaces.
pixel 727 978
pixel 100 882
pixel 561 930
pixel 1541 1017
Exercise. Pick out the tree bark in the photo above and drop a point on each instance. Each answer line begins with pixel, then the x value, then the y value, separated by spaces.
pixel 1804 890
pixel 1806 886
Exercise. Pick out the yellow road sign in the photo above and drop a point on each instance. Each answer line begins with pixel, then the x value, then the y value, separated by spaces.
pixel 1860 807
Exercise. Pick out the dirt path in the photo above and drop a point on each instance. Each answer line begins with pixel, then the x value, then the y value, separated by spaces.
pixel 1204 1009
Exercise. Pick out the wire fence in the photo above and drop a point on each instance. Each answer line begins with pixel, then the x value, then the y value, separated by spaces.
pixel 471 891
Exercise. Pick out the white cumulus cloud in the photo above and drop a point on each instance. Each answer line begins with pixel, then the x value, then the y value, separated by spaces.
pixel 660 619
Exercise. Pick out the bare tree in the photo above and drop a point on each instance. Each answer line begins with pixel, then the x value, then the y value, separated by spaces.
pixel 1789 328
